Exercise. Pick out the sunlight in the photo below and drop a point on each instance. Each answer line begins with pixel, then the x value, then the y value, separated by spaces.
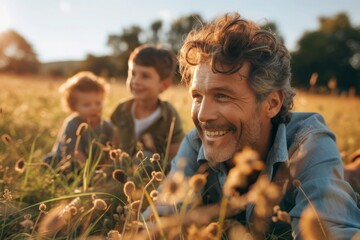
pixel 4 19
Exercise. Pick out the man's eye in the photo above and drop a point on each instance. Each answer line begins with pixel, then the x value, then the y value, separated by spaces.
pixel 196 97
pixel 221 96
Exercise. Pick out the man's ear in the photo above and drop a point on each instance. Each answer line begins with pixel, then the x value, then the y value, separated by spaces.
pixel 274 102
pixel 165 84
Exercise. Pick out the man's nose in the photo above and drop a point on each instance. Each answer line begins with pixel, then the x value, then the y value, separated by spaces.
pixel 207 110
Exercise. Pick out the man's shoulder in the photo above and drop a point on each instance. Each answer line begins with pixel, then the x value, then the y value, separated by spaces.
pixel 305 124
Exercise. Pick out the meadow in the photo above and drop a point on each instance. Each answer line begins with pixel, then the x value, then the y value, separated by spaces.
pixel 30 117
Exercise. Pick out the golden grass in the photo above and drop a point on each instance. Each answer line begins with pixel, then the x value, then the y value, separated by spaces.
pixel 30 116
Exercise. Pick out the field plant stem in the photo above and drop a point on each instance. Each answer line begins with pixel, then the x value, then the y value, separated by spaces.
pixel 222 214
pixel 313 208
pixel 27 171
pixel 171 131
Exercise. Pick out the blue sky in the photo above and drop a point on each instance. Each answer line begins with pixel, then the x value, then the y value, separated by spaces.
pixel 69 29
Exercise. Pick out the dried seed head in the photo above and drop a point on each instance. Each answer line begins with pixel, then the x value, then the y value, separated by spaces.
pixel 6 139
pixel 114 235
pixel 154 195
pixel 155 157
pixel 114 154
pixel 81 129
pixel 119 209
pixel 129 189
pixel 42 207
pixel 140 155
pixel 73 210
pixel 7 195
pixel 197 182
pixel 158 176
pixel 27 223
pixel 119 175
pixel 20 165
pixel 100 204
pixel 296 183
pixel 135 205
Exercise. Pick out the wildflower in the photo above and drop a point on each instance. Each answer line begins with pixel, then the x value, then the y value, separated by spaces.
pixel 158 176
pixel 81 129
pixel 244 173
pixel 7 195
pixel 20 165
pixel 100 204
pixel 281 215
pixel 155 157
pixel 119 175
pixel 114 235
pixel 27 223
pixel 6 139
pixel 174 189
pixel 197 182
pixel 129 189
pixel 311 226
pixel 52 222
pixel 237 231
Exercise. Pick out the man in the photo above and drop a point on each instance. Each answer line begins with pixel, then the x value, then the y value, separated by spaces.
pixel 239 80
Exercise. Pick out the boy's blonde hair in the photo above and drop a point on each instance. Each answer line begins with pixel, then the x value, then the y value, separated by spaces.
pixel 158 57
pixel 84 82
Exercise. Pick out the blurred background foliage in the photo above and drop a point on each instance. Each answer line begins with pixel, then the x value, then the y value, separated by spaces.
pixel 326 60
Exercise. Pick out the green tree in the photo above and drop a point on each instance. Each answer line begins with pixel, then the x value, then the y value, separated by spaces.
pixel 122 45
pixel 180 28
pixel 155 28
pixel 332 51
pixel 16 54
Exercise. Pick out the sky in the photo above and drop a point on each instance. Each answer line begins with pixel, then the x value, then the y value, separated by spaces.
pixel 62 30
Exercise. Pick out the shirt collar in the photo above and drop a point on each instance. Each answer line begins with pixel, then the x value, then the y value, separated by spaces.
pixel 278 151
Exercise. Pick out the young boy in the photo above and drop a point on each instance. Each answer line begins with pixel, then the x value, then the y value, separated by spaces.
pixel 82 95
pixel 143 122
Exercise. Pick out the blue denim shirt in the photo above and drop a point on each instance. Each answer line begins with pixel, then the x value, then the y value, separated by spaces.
pixel 303 149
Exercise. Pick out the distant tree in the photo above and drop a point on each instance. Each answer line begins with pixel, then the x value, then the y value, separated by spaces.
pixel 180 28
pixel 17 54
pixel 332 52
pixel 273 27
pixel 155 28
pixel 100 65
pixel 122 45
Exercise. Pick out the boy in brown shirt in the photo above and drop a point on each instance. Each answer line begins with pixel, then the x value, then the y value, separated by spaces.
pixel 143 122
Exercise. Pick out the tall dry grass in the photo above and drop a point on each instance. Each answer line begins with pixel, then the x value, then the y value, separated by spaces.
pixel 37 201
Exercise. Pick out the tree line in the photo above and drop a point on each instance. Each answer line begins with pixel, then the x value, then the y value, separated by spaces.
pixel 326 59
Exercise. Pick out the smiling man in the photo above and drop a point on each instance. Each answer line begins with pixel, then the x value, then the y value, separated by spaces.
pixel 239 80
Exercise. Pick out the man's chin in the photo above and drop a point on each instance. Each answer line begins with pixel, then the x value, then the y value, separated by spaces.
pixel 216 158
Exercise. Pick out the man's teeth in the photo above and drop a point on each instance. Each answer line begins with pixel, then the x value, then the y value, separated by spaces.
pixel 215 133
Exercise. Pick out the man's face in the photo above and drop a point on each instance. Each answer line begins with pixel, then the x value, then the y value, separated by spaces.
pixel 226 113
pixel 144 82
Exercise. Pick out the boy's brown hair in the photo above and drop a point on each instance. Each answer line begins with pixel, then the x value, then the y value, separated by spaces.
pixel 84 82
pixel 163 60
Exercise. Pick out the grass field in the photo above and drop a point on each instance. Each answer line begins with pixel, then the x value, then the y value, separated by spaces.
pixel 30 116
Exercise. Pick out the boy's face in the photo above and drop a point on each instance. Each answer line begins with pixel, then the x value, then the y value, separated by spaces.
pixel 144 82
pixel 89 105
